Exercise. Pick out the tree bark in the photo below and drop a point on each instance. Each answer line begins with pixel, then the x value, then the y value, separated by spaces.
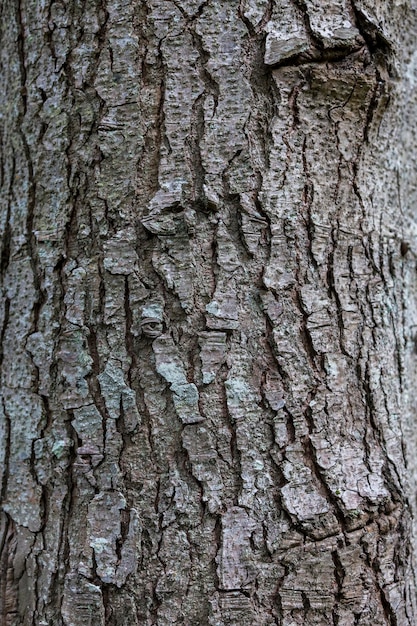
pixel 207 333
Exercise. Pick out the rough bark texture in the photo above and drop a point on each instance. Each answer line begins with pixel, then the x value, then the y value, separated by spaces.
pixel 208 313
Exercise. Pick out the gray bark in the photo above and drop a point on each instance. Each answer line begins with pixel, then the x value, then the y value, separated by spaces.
pixel 207 333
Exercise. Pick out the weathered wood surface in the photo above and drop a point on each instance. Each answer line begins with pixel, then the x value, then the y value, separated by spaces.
pixel 208 313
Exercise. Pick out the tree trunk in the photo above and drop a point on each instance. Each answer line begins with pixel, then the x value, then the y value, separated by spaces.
pixel 208 313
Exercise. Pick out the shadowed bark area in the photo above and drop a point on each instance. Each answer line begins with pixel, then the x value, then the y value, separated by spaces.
pixel 207 324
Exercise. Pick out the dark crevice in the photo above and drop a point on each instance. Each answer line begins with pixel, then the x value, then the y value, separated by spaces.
pixel 377 44
pixel 371 42
pixel 302 7
pixel 147 179
pixel 306 602
pixel 339 574
pixel 310 456
pixel 124 529
pixel 321 57
pixel 7 233
pixel 306 338
pixel 379 102
pixel 7 450
pixel 31 201
pixel 8 583
pixel 194 153
pixel 129 338
pixel 6 315
pixel 93 383
pixel 217 540
pixel 332 290
pixel 388 609
pixel 107 603
pixel 211 85
pixel 69 505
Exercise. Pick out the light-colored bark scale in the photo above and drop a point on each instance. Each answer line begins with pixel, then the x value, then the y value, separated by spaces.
pixel 208 313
